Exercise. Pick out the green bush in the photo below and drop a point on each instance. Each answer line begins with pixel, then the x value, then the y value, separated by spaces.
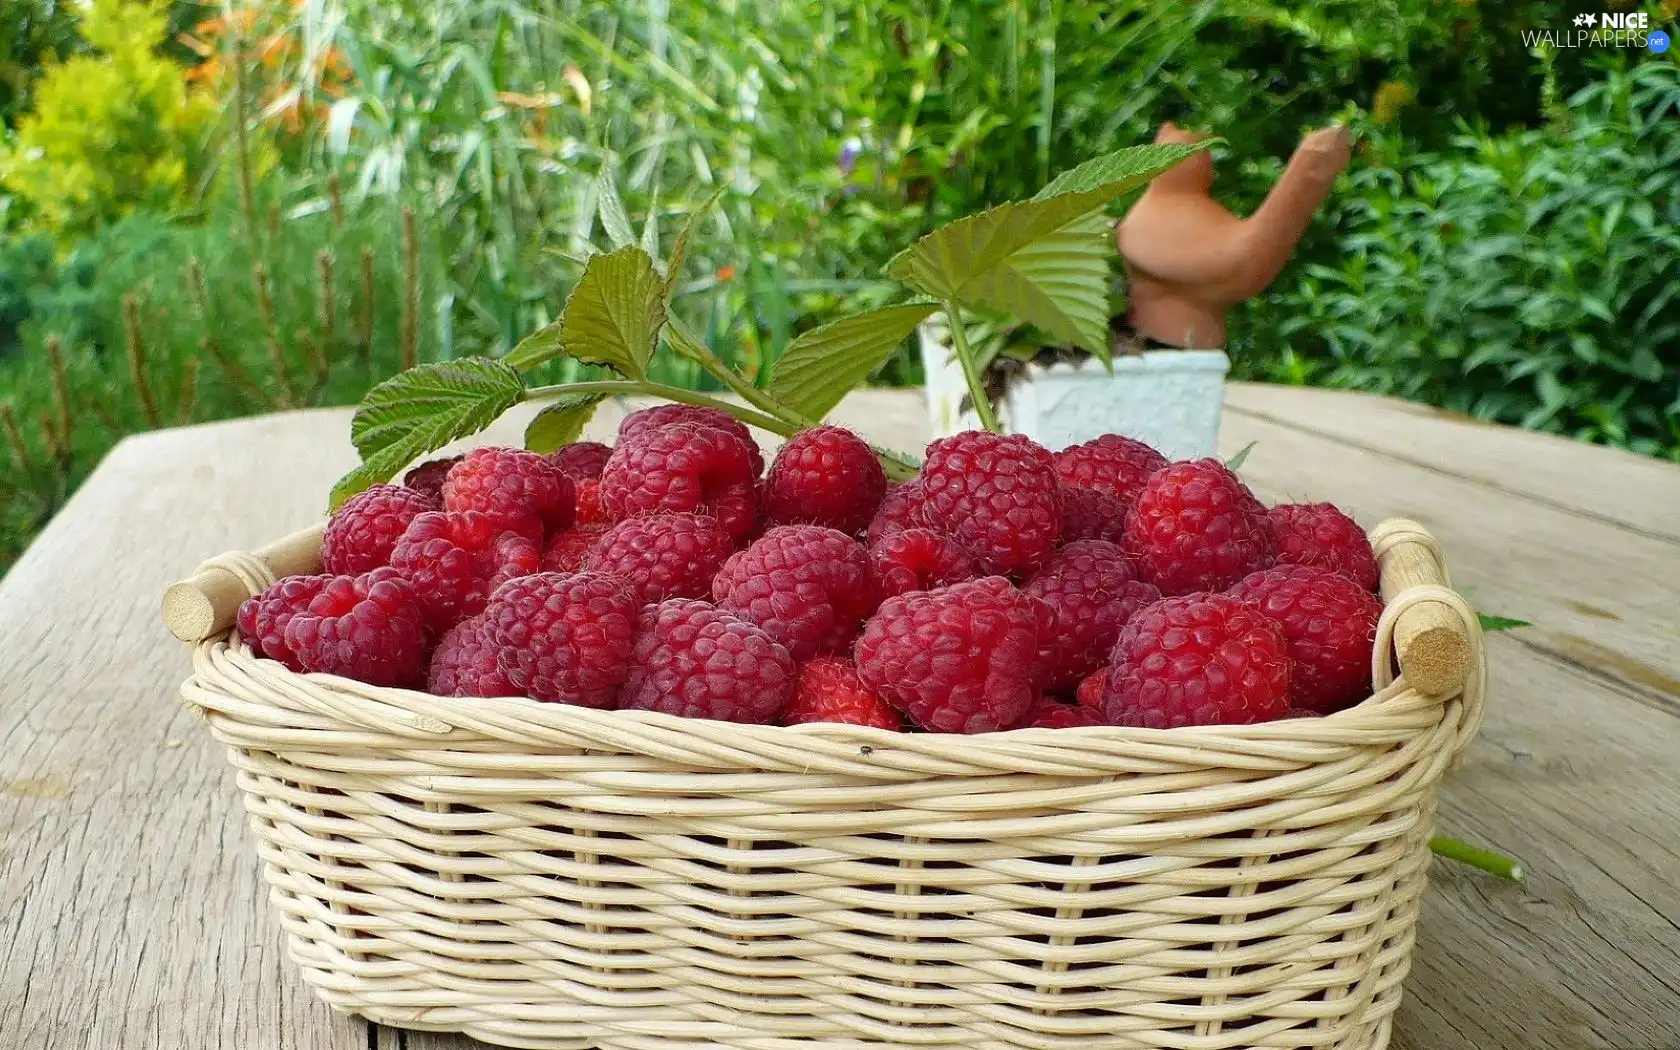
pixel 1530 278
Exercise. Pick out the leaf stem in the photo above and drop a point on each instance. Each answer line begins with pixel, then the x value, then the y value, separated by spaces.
pixel 669 393
pixel 971 373
pixel 1476 857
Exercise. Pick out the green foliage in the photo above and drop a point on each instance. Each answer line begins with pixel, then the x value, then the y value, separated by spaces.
pixel 561 422
pixel 1529 278
pixel 825 362
pixel 32 33
pixel 111 132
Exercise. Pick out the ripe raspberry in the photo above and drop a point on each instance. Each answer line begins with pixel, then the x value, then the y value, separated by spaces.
pixel 1091 515
pixel 1200 659
pixel 681 468
pixel 456 559
pixel 581 460
pixel 919 560
pixel 1090 692
pixel 589 510
pixel 824 476
pixel 830 690
pixel 361 536
pixel 903 507
pixel 368 627
pixel 1047 713
pixel 808 586
pixel 962 659
pixel 664 556
pixel 569 549
pixel 696 660
pixel 428 477
pixel 645 419
pixel 995 494
pixel 1112 464
pixel 511 484
pixel 564 638
pixel 1330 625
pixel 262 618
pixel 1196 527
pixel 1319 534
pixel 465 664
pixel 1091 590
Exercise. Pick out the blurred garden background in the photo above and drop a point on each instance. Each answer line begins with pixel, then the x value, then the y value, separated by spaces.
pixel 209 210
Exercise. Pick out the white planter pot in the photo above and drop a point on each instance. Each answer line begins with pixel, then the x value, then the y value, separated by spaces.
pixel 1169 399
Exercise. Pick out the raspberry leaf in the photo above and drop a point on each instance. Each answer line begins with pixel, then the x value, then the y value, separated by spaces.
pixel 952 262
pixel 561 423
pixel 1058 283
pixel 1491 623
pixel 824 364
pixel 612 317
pixel 421 409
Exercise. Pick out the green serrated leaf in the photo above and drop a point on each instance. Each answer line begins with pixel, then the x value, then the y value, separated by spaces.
pixel 615 220
pixel 463 395
pixel 1491 623
pixel 612 317
pixel 822 365
pixel 561 423
pixel 421 409
pixel 1236 461
pixel 541 345
pixel 679 249
pixel 1058 283
pixel 944 263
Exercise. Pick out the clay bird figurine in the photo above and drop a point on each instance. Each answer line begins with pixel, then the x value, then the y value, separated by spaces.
pixel 1190 259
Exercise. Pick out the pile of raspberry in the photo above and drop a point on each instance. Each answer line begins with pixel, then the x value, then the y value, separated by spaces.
pixel 1003 587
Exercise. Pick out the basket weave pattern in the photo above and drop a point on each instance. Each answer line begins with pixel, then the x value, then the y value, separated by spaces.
pixel 547 876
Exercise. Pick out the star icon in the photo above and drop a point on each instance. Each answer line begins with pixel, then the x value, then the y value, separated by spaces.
pixel 1586 20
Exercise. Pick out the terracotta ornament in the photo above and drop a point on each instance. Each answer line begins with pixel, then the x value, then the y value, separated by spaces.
pixel 1190 259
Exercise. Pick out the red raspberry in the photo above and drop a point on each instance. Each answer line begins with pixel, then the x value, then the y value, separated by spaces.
pixel 995 494
pixel 428 477
pixel 589 510
pixel 512 484
pixel 368 627
pixel 581 460
pixel 1330 625
pixel 681 468
pixel 919 560
pixel 824 476
pixel 903 507
pixel 564 638
pixel 1053 714
pixel 808 586
pixel 1201 659
pixel 664 556
pixel 830 690
pixel 465 664
pixel 262 617
pixel 1091 590
pixel 645 419
pixel 1319 534
pixel 1091 515
pixel 1197 527
pixel 1112 464
pixel 569 549
pixel 962 659
pixel 696 660
pixel 456 559
pixel 361 536
pixel 1090 692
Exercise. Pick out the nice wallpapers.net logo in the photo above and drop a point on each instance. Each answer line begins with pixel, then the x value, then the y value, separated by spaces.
pixel 1603 29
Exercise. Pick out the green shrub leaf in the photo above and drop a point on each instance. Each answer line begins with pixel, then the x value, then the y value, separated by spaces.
pixel 951 260
pixel 1492 623
pixel 421 409
pixel 1058 283
pixel 823 364
pixel 561 423
pixel 612 317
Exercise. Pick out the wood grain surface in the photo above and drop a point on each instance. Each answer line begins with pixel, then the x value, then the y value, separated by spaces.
pixel 132 913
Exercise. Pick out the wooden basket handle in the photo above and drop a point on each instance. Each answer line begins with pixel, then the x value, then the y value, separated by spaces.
pixel 206 604
pixel 1431 638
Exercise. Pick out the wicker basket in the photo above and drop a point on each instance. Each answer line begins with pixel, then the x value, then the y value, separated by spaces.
pixel 540 875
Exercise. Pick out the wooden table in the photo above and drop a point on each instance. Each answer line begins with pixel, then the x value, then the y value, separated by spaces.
pixel 132 911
